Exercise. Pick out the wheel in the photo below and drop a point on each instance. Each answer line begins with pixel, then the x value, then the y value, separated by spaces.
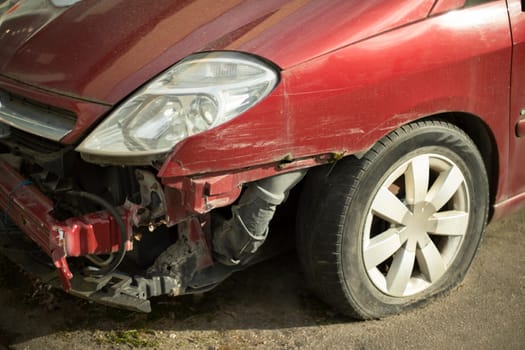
pixel 385 233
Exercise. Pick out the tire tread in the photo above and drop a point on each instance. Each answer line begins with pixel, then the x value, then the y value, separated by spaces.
pixel 325 201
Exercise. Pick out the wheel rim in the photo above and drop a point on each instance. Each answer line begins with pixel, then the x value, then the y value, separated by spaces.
pixel 415 225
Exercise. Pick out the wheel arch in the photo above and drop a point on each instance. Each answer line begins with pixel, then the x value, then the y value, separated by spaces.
pixel 480 133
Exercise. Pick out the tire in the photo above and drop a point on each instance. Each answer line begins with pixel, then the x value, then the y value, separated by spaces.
pixel 388 232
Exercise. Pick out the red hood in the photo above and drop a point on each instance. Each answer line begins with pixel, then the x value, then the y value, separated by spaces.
pixel 103 50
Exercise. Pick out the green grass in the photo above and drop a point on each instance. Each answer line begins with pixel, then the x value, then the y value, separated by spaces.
pixel 136 338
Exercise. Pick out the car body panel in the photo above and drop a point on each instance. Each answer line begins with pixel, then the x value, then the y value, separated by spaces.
pixel 517 116
pixel 385 64
pixel 86 112
pixel 129 42
pixel 369 89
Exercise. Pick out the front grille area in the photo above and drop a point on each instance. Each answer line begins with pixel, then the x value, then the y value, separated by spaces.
pixel 32 150
pixel 35 118
pixel 23 140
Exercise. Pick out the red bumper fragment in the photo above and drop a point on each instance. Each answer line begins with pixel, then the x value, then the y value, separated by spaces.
pixel 31 211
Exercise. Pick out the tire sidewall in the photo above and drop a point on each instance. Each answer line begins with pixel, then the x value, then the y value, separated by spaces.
pixel 387 157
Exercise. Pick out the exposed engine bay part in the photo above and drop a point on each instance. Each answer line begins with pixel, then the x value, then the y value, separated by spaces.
pixel 235 240
pixel 151 194
pixel 87 234
pixel 188 255
pixel 110 265
pixel 5 130
pixel 99 261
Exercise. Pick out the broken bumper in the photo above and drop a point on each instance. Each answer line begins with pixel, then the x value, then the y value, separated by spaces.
pixel 23 204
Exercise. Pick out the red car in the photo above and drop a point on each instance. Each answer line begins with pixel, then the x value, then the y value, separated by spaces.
pixel 146 147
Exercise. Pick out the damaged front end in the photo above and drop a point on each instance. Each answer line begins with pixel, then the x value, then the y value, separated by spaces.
pixel 117 236
pixel 86 234
pixel 119 223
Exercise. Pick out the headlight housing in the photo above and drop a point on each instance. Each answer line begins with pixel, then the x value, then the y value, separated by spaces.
pixel 200 92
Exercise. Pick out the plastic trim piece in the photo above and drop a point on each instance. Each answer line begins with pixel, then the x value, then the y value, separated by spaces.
pixel 38 121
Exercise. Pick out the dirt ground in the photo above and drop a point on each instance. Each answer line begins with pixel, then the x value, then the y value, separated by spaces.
pixel 267 307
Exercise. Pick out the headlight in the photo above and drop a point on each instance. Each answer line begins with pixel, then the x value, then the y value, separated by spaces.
pixel 197 94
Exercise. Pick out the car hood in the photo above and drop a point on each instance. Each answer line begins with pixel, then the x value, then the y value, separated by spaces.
pixel 103 50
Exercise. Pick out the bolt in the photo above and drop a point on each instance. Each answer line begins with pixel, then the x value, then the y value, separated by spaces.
pixel 522 112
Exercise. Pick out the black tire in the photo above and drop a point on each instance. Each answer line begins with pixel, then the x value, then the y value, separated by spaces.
pixel 336 224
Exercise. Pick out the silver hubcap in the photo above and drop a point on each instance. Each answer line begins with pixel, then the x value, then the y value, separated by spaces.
pixel 415 225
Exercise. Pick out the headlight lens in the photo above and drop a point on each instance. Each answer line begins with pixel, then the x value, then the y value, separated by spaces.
pixel 195 95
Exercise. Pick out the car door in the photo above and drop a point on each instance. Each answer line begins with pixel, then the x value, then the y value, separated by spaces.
pixel 516 170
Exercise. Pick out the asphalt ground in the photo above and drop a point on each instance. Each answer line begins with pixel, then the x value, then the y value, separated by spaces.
pixel 268 307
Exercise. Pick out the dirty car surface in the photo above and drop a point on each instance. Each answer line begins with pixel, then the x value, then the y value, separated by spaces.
pixel 145 148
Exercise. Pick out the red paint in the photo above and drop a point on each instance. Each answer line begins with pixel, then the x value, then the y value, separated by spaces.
pixel 515 172
pixel 94 233
pixel 200 194
pixel 29 209
pixel 87 113
pixel 109 48
pixel 352 71
pixel 365 91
